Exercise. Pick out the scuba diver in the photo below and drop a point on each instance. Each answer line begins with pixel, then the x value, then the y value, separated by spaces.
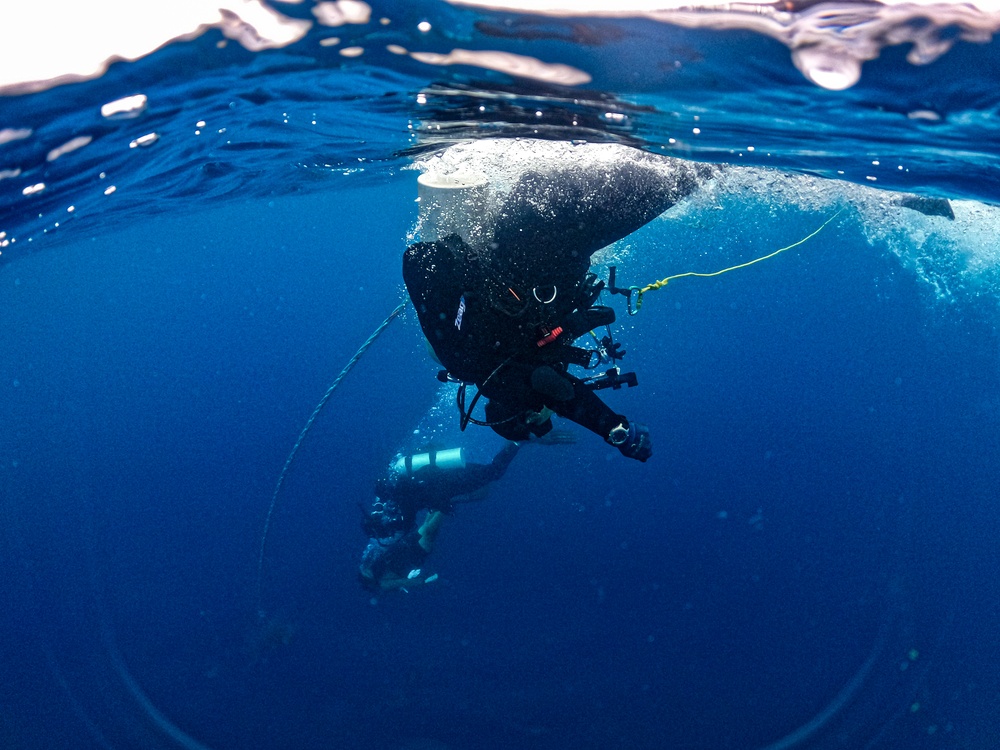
pixel 503 313
pixel 516 343
pixel 431 483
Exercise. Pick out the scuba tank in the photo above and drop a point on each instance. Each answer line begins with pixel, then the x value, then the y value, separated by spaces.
pixel 453 204
pixel 452 458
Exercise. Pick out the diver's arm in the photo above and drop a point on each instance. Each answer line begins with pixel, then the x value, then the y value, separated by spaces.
pixel 587 410
pixel 391 582
pixel 429 530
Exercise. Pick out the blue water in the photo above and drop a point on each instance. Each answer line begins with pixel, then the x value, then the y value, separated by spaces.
pixel 809 558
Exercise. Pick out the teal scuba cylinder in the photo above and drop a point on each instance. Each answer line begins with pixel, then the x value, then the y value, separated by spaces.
pixel 453 458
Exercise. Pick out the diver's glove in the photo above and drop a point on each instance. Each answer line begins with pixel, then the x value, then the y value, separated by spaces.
pixel 633 441
pixel 611 351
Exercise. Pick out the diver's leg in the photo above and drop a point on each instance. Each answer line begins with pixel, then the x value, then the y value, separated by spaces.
pixel 507 421
pixel 500 462
pixel 429 530
pixel 476 476
pixel 571 212
pixel 515 410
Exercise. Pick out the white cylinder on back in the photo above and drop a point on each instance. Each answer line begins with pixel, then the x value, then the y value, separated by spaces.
pixel 453 458
pixel 453 204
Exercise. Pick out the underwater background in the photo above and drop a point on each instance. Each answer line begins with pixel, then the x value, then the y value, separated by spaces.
pixel 808 560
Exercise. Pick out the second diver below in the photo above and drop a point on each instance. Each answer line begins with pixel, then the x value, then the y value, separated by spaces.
pixel 431 483
pixel 512 336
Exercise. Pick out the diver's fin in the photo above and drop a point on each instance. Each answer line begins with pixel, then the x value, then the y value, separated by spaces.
pixel 926 206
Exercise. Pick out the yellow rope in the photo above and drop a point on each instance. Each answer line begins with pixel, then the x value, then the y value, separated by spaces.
pixel 639 291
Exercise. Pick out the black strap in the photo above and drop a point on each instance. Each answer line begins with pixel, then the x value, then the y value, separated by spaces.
pixel 466 414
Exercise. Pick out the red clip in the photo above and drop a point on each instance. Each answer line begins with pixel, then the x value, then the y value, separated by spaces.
pixel 548 338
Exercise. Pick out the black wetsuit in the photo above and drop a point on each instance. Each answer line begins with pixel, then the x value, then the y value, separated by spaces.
pixel 510 337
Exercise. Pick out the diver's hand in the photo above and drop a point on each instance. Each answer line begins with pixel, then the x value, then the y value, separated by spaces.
pixel 611 351
pixel 633 441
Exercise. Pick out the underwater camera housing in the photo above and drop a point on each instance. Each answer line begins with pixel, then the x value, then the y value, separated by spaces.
pixel 613 378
